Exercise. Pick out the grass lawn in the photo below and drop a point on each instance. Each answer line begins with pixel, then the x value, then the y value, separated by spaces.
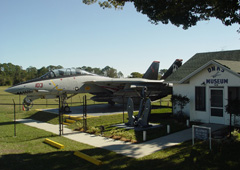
pixel 159 116
pixel 27 150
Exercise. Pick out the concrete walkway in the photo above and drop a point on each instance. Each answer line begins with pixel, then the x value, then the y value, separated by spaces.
pixel 125 148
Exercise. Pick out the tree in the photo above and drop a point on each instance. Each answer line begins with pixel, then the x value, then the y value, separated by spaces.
pixel 11 74
pixel 233 108
pixel 136 75
pixel 97 71
pixel 162 71
pixel 185 13
pixel 42 71
pixel 111 72
pixel 18 75
pixel 3 80
pixel 31 72
pixel 88 69
pixel 106 71
pixel 181 101
pixel 119 74
pixel 51 67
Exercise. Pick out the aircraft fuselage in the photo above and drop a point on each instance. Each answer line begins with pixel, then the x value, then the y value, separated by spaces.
pixel 62 82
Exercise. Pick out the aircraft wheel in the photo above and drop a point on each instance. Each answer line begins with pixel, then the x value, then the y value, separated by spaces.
pixel 67 109
pixel 27 104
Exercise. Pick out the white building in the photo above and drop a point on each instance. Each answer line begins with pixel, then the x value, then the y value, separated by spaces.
pixel 209 80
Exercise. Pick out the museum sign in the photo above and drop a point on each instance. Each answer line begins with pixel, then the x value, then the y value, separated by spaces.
pixel 215 73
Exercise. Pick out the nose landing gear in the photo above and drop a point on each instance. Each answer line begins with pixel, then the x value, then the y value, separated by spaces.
pixel 28 103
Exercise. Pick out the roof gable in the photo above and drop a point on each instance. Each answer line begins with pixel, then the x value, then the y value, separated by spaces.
pixel 232 65
pixel 224 58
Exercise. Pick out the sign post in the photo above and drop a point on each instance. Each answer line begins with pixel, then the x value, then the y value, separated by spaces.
pixel 202 133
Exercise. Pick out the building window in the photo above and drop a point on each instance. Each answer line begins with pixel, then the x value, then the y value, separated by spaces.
pixel 234 96
pixel 200 98
pixel 234 93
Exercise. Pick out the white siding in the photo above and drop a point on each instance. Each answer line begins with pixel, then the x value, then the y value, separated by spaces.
pixel 206 76
pixel 185 90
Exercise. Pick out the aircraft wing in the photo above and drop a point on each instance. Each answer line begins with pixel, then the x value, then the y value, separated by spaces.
pixel 127 83
pixel 117 82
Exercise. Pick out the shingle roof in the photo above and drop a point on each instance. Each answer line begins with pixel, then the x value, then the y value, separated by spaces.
pixel 232 65
pixel 222 57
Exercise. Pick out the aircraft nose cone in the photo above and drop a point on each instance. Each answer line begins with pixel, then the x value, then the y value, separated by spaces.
pixel 11 90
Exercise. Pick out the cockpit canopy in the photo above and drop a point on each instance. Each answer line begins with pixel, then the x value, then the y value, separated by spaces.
pixel 64 72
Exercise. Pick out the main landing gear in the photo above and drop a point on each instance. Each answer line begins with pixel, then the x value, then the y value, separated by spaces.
pixel 65 108
pixel 112 103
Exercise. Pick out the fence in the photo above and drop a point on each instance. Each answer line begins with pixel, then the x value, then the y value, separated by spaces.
pixel 60 108
pixel 9 100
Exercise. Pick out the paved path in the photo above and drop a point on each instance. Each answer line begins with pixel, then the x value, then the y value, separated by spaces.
pixel 125 148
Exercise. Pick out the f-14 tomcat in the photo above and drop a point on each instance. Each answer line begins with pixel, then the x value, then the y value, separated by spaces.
pixel 69 82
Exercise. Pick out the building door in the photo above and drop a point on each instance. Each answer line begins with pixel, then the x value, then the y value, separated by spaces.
pixel 216 106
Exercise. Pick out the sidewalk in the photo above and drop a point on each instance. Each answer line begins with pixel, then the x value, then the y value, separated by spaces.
pixel 125 148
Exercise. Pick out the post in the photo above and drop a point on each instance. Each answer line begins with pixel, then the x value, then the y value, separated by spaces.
pixel 193 134
pixel 187 122
pixel 60 116
pixel 168 129
pixel 62 121
pixel 210 139
pixel 85 112
pixel 123 108
pixel 230 126
pixel 19 108
pixel 59 107
pixel 144 135
pixel 15 133
pixel 86 109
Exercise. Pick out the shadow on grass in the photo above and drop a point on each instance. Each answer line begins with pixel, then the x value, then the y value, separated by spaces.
pixel 7 123
pixel 44 117
pixel 160 107
pixel 53 160
pixel 63 160
pixel 67 160
pixel 12 139
pixel 182 156
pixel 185 156
pixel 158 117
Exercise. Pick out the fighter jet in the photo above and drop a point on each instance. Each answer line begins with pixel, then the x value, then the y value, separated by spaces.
pixel 68 82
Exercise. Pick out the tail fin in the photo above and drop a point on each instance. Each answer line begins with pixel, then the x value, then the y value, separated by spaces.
pixel 152 72
pixel 176 64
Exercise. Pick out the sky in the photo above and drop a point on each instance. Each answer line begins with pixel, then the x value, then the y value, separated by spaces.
pixel 69 33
